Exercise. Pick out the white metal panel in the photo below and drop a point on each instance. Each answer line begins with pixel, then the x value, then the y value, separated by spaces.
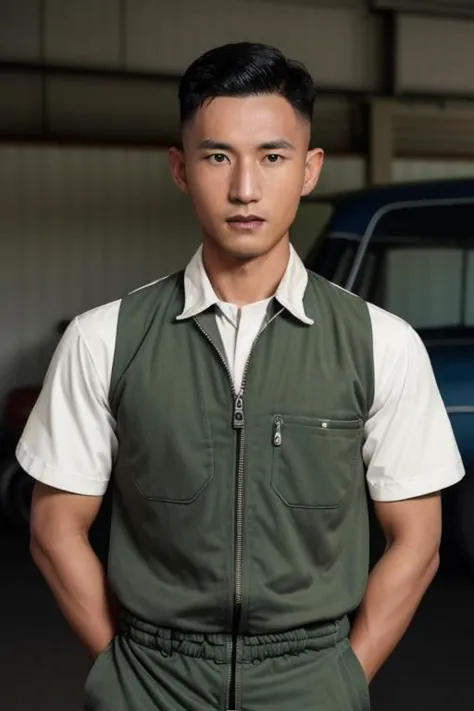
pixel 341 174
pixel 85 32
pixel 80 227
pixel 20 30
pixel 444 131
pixel 406 170
pixel 435 55
pixel 339 46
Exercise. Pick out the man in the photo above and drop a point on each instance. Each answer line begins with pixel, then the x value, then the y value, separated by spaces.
pixel 242 406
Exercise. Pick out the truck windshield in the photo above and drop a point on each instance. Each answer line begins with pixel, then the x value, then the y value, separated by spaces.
pixel 419 265
pixel 309 225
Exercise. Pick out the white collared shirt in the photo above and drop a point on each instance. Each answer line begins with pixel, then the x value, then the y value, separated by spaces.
pixel 239 327
pixel 70 439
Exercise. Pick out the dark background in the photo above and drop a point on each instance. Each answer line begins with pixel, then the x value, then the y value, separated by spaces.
pixel 88 212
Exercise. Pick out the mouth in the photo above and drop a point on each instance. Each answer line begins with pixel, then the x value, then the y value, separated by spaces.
pixel 245 222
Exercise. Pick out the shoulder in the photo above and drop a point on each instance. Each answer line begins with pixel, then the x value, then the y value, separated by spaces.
pixel 399 352
pixel 342 298
pixel 390 332
pixel 154 292
pixel 394 341
pixel 95 331
pixel 98 326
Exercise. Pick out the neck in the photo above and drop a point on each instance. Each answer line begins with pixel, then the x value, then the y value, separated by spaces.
pixel 243 282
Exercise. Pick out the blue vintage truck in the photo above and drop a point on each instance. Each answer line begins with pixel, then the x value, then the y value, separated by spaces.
pixel 409 248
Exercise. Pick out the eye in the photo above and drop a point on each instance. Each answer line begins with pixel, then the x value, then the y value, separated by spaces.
pixel 218 158
pixel 274 158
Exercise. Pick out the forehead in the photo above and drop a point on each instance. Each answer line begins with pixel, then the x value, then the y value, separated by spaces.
pixel 249 120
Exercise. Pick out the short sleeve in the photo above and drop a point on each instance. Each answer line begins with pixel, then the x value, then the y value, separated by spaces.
pixel 409 449
pixel 69 441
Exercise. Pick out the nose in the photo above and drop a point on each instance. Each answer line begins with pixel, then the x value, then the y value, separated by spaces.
pixel 245 185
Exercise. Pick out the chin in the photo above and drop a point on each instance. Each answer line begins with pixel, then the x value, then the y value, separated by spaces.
pixel 243 247
pixel 247 253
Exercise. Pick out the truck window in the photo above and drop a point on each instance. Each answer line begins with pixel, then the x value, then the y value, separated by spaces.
pixel 420 266
pixel 309 225
pixel 426 286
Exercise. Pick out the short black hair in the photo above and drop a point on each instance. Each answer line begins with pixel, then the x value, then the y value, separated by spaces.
pixel 245 69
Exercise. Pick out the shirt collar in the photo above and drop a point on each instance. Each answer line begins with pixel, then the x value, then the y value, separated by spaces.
pixel 200 296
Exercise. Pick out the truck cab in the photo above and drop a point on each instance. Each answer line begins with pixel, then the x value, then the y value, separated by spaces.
pixel 409 248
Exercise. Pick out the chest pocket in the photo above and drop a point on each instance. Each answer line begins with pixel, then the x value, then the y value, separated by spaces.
pixel 315 461
pixel 167 464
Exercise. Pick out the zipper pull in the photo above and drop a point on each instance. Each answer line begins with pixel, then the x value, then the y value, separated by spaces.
pixel 239 420
pixel 277 433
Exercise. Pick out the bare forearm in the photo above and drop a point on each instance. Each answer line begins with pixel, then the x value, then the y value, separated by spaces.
pixel 78 583
pixel 396 587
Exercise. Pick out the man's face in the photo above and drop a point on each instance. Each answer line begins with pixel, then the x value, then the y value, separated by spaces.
pixel 245 163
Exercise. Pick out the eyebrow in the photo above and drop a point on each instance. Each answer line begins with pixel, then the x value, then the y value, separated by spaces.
pixel 278 145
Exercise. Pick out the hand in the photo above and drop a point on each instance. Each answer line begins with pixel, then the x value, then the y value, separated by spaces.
pixel 96 652
pixel 363 665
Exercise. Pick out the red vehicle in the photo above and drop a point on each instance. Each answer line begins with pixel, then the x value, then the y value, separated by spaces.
pixel 15 486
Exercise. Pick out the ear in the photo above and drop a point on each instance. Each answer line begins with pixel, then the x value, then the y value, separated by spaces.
pixel 314 164
pixel 178 168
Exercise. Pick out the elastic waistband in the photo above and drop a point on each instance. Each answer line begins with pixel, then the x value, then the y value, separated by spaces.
pixel 219 647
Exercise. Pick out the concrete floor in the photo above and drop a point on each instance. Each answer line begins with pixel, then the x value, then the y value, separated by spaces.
pixel 42 667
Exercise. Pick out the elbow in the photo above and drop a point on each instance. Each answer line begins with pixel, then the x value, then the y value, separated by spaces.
pixel 37 548
pixel 434 564
pixel 429 567
pixel 40 540
pixel 434 557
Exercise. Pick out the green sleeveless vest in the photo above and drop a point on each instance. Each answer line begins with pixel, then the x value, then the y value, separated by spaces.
pixel 248 508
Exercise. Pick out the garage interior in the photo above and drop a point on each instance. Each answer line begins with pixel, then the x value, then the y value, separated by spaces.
pixel 88 212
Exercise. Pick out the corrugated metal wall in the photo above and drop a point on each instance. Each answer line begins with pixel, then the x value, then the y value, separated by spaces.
pixel 82 226
pixel 412 170
pixel 434 131
pixel 160 35
pixel 78 228
pixel 435 55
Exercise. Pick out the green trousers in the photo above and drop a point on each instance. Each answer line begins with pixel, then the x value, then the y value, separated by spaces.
pixel 147 668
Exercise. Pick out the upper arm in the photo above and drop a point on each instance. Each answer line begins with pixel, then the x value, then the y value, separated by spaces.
pixel 409 448
pixel 69 442
pixel 415 523
pixel 57 515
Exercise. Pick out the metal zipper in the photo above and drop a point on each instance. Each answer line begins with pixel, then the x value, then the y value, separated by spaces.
pixel 234 697
pixel 238 418
pixel 319 424
pixel 277 431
